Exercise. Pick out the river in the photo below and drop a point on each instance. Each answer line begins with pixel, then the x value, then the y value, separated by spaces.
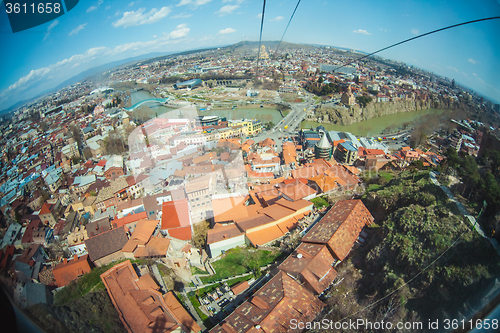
pixel 263 114
pixel 375 126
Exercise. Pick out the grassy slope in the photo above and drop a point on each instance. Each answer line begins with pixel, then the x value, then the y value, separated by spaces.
pixel 417 226
pixel 238 261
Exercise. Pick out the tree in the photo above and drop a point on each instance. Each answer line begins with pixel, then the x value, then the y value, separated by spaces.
pixel 75 160
pixel 269 125
pixel 363 100
pixel 114 143
pixel 87 153
pixel 200 234
pixel 44 126
pixel 75 133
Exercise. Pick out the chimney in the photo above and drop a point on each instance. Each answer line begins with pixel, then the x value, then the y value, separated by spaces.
pixel 75 257
pixel 65 261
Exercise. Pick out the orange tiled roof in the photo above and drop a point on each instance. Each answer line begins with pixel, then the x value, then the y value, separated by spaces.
pixel 223 233
pixel 314 263
pixel 129 219
pixel 230 208
pixel 141 308
pixel 272 307
pixel 296 191
pixel 141 235
pixel 157 246
pixel 175 214
pixel 46 209
pixel 70 270
pixel 183 233
pixel 265 235
pixel 340 227
pixel 240 287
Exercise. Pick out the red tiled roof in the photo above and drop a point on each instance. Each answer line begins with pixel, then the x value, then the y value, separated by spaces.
pixel 314 263
pixel 183 233
pixel 175 214
pixel 265 235
pixel 222 233
pixel 240 287
pixel 46 209
pixel 129 219
pixel 273 307
pixel 141 308
pixel 68 271
pixel 340 227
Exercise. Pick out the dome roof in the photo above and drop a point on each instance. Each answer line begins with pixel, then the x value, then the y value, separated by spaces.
pixel 323 142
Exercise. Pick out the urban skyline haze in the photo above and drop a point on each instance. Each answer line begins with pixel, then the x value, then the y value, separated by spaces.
pixel 98 32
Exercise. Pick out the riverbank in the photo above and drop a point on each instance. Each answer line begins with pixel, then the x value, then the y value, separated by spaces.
pixel 263 114
pixel 376 126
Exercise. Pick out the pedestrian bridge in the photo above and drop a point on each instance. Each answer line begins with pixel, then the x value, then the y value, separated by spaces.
pixel 160 101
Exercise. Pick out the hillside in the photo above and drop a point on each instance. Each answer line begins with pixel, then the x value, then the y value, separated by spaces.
pixel 422 260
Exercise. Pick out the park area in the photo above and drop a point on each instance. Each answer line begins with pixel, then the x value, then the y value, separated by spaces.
pixel 239 261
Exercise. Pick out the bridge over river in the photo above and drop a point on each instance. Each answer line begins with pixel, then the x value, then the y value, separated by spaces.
pixel 159 101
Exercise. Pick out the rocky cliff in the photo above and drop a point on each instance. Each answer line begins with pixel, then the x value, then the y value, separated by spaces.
pixel 354 114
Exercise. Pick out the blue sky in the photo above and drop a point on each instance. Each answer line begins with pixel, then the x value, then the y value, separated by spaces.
pixel 98 32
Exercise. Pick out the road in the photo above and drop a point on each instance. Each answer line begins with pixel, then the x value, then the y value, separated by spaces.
pixel 298 112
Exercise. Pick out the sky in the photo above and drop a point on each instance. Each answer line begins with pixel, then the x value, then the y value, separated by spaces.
pixel 98 32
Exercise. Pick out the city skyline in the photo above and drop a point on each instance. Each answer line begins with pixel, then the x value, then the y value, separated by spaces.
pixel 99 32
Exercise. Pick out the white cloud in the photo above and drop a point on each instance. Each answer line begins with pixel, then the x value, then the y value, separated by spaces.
pixel 180 31
pixel 154 36
pixel 135 18
pixel 43 78
pixel 477 77
pixel 226 31
pixel 205 38
pixel 53 24
pixel 49 28
pixel 414 31
pixel 58 68
pixel 92 8
pixel 277 18
pixel 181 15
pixel 131 4
pixel 77 29
pixel 107 7
pixel 453 68
pixel 259 16
pixel 227 9
pixel 472 61
pixel 361 31
pixel 193 3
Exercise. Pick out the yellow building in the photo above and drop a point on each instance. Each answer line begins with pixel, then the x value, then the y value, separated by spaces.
pixel 250 127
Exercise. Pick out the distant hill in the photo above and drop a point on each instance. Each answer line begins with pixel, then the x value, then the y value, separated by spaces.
pixel 241 47
pixel 82 76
